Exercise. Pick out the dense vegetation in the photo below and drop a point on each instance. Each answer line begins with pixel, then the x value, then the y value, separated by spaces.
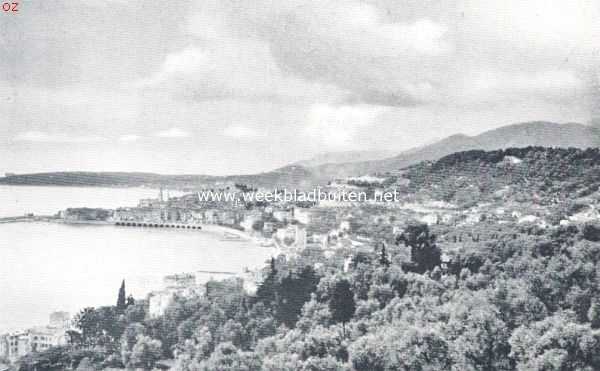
pixel 527 303
pixel 546 175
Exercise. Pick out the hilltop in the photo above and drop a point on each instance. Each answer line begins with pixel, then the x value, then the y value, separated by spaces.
pixel 551 184
pixel 542 134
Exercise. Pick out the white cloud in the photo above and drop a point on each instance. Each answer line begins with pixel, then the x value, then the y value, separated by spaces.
pixel 338 127
pixel 172 133
pixel 232 68
pixel 240 132
pixel 129 138
pixel 44 137
pixel 369 56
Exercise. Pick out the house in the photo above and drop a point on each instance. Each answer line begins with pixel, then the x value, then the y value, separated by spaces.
pixel 283 215
pixel 173 285
pixel 18 344
pixel 250 218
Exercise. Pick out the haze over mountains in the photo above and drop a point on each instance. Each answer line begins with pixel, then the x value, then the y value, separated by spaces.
pixel 344 157
pixel 324 167
pixel 543 134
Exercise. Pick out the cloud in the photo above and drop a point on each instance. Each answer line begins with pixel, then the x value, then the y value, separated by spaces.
pixel 44 137
pixel 127 138
pixel 172 133
pixel 420 53
pixel 338 127
pixel 240 132
pixel 351 52
pixel 354 46
pixel 310 73
pixel 231 69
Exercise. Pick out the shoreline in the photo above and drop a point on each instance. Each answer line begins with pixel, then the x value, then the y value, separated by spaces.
pixel 221 231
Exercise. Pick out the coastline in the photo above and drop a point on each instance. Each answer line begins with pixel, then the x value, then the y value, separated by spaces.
pixel 218 231
pixel 222 230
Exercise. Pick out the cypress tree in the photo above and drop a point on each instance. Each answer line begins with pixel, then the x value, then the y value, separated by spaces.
pixel 342 304
pixel 384 261
pixel 121 300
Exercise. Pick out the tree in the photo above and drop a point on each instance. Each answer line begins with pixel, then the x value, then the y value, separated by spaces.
pixel 293 293
pixel 384 261
pixel 100 326
pixel 341 304
pixel 88 322
pixel 267 290
pixel 558 342
pixel 145 353
pixel 594 314
pixel 129 339
pixel 121 300
pixel 401 347
pixel 130 301
pixel 424 253
pixel 227 357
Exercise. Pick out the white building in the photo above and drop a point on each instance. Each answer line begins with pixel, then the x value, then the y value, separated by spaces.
pixel 18 344
pixel 173 285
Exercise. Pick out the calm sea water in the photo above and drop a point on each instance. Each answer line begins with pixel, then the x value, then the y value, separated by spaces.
pixel 46 267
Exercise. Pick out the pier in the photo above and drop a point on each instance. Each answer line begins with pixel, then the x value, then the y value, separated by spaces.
pixel 157 225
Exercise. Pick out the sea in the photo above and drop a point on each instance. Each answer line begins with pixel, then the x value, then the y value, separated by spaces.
pixel 47 267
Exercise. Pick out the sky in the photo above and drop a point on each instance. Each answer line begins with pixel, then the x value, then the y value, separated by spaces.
pixel 232 86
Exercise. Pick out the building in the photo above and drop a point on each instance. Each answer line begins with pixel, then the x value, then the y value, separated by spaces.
pixel 60 320
pixel 293 236
pixel 283 215
pixel 4 346
pixel 320 218
pixel 174 285
pixel 140 214
pixel 86 214
pixel 179 281
pixel 18 344
pixel 250 218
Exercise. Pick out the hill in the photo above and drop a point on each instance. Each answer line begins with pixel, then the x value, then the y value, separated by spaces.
pixel 102 179
pixel 530 175
pixel 344 157
pixel 543 134
pixel 288 176
pixel 324 167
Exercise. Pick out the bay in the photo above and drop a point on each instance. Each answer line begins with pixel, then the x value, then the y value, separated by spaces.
pixel 45 267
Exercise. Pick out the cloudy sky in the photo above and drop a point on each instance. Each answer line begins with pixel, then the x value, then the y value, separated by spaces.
pixel 233 86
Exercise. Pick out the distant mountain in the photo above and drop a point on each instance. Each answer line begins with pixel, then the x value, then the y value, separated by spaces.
pixel 324 167
pixel 543 134
pixel 288 176
pixel 344 157
pixel 102 179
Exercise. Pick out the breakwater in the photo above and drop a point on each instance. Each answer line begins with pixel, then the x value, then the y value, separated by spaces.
pixel 157 225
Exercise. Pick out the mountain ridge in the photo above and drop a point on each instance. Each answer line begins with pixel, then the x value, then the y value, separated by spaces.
pixel 536 133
